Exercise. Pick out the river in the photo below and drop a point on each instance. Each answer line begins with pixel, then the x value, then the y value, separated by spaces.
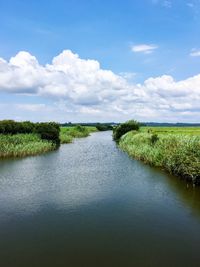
pixel 89 205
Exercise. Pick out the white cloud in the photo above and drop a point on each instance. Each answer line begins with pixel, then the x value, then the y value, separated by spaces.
pixel 79 90
pixel 195 53
pixel 143 48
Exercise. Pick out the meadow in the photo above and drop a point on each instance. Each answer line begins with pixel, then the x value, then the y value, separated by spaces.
pixel 172 130
pixel 175 149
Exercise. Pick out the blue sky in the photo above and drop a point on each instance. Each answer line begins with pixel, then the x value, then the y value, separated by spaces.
pixel 135 40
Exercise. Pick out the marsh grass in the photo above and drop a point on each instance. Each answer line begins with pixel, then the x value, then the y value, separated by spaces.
pixel 178 153
pixel 67 134
pixel 21 145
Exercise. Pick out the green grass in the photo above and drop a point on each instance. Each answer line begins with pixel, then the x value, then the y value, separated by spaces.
pixel 172 130
pixel 67 134
pixel 21 145
pixel 176 150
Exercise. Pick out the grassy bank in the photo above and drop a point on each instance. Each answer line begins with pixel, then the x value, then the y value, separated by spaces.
pixel 177 152
pixel 20 139
pixel 67 134
pixel 21 145
pixel 30 144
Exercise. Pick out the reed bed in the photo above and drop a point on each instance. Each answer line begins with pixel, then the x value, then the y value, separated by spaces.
pixel 21 145
pixel 179 154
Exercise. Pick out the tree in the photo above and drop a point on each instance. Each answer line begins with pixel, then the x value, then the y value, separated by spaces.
pixel 124 128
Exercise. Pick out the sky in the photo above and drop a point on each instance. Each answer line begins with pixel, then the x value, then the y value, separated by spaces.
pixel 92 60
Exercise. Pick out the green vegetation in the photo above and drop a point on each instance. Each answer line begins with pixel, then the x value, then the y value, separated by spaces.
pixel 47 131
pixel 21 145
pixel 19 139
pixel 108 125
pixel 103 127
pixel 67 134
pixel 124 128
pixel 14 127
pixel 172 130
pixel 174 149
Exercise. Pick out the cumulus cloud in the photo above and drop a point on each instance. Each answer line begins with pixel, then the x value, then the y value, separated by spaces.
pixel 21 74
pixel 80 90
pixel 143 48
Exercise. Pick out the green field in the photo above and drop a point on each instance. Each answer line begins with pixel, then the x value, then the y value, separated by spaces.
pixel 67 134
pixel 172 130
pixel 175 149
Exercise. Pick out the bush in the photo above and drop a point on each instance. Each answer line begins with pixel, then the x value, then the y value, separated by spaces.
pixel 49 131
pixel 124 128
pixel 13 127
pixel 154 138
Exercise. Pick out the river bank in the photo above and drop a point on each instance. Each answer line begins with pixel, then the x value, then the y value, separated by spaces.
pixel 22 145
pixel 67 134
pixel 14 144
pixel 179 154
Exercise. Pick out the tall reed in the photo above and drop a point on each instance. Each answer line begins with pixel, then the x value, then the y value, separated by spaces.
pixel 178 154
pixel 21 145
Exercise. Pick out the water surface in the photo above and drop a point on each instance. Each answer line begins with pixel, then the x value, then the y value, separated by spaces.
pixel 89 205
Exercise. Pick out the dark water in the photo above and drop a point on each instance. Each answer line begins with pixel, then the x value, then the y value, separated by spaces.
pixel 88 204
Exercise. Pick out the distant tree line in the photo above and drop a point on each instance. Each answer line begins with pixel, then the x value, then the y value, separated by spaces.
pixel 47 130
pixel 103 127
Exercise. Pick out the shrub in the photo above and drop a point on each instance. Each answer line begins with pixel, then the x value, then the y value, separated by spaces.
pixel 49 131
pixel 13 127
pixel 154 138
pixel 124 128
